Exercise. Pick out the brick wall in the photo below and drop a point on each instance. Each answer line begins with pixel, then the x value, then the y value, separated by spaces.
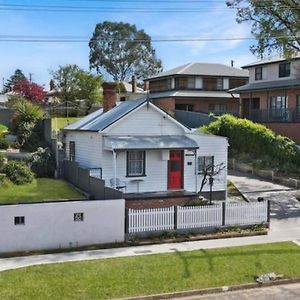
pixel 291 130
pixel 167 104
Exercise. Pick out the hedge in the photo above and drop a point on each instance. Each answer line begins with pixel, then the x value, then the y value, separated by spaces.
pixel 245 136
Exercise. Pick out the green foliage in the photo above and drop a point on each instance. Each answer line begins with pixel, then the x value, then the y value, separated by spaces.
pixel 18 75
pixel 122 51
pixel 3 130
pixel 25 120
pixel 4 144
pixel 275 24
pixel 73 83
pixel 3 161
pixel 256 140
pixel 18 172
pixel 43 163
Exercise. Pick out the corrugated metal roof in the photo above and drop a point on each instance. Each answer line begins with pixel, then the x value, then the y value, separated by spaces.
pixel 199 68
pixel 270 60
pixel 193 94
pixel 150 142
pixel 98 120
pixel 277 84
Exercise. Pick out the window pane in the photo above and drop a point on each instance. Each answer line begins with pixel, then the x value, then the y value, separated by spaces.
pixel 135 163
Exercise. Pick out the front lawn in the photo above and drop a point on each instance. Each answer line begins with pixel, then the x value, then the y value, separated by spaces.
pixel 41 189
pixel 152 274
pixel 60 123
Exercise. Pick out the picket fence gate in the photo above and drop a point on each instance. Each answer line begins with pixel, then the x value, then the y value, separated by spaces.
pixel 192 217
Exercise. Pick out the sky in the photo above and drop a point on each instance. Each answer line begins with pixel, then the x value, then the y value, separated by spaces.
pixel 206 19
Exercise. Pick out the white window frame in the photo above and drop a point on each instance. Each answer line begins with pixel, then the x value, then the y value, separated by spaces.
pixel 72 151
pixel 206 163
pixel 136 166
pixel 19 220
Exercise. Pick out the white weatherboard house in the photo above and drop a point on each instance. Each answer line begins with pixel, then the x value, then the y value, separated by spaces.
pixel 142 149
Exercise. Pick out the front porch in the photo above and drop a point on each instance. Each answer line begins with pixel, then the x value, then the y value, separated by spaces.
pixel 159 199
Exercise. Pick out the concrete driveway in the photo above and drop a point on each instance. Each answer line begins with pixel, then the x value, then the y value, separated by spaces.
pixel 285 208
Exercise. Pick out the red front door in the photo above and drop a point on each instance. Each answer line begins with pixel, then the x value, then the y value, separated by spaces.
pixel 175 170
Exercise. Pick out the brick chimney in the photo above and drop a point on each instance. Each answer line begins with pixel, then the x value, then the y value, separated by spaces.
pixel 109 95
pixel 133 84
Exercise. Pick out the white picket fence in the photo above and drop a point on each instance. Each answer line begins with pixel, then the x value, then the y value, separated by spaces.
pixel 199 216
pixel 189 217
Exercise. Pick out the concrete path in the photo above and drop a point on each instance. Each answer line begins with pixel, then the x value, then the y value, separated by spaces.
pixel 285 226
pixel 280 292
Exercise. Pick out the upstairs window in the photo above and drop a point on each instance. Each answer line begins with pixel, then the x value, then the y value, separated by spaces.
pixel 136 163
pixel 220 84
pixel 284 69
pixel 258 73
pixel 72 151
pixel 206 164
pixel 191 83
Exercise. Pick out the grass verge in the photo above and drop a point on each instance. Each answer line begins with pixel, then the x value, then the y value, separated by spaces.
pixel 41 189
pixel 60 123
pixel 152 274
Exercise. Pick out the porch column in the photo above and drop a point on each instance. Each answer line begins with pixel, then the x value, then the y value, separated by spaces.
pixel 196 172
pixel 115 168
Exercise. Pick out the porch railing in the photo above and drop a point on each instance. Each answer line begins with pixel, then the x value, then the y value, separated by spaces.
pixel 275 115
pixel 96 172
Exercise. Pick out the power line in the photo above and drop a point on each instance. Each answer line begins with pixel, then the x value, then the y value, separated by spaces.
pixel 77 39
pixel 63 8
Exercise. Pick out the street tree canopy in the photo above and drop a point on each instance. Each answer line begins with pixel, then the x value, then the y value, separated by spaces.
pixel 275 24
pixel 122 51
pixel 9 84
pixel 73 83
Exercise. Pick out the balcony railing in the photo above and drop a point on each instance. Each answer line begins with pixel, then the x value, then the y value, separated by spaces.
pixel 274 115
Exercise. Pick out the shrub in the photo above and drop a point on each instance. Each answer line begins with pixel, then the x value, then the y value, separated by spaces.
pixel 3 130
pixel 43 163
pixel 255 139
pixel 3 161
pixel 4 144
pixel 18 172
pixel 25 119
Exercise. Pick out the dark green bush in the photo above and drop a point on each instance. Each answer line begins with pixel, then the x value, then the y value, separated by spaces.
pixel 4 144
pixel 2 162
pixel 18 172
pixel 43 163
pixel 247 137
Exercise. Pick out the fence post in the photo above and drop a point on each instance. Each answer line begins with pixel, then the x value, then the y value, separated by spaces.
pixel 268 212
pixel 223 213
pixel 126 220
pixel 175 217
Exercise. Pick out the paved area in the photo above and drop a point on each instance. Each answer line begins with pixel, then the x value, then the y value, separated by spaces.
pixel 280 292
pixel 285 226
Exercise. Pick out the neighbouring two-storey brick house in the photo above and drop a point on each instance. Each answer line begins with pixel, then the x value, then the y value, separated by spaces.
pixel 199 87
pixel 272 96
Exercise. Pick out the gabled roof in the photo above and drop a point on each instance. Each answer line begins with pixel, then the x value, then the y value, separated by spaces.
pixel 199 68
pixel 270 60
pixel 271 85
pixel 98 120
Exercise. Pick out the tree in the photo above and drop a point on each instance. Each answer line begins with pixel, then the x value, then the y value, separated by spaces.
pixel 30 90
pixel 122 51
pixel 209 171
pixel 276 24
pixel 18 75
pixel 73 83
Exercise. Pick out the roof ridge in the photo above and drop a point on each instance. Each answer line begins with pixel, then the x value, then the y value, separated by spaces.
pixel 186 66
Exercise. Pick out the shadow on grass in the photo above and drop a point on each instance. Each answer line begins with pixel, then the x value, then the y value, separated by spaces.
pixel 207 255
